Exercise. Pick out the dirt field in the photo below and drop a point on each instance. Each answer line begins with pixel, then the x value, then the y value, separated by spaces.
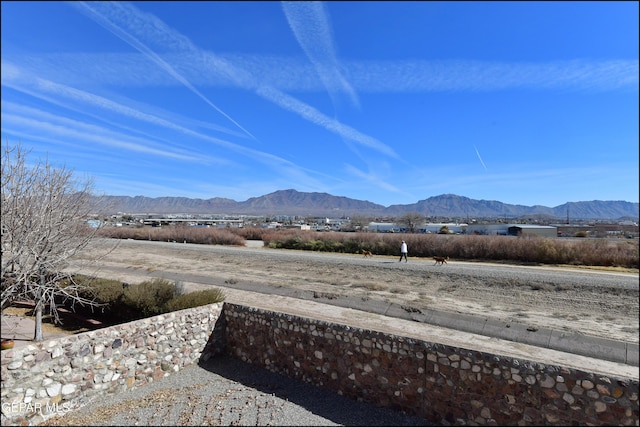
pixel 592 303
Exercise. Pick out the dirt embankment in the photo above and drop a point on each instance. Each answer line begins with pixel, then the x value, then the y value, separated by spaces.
pixel 592 303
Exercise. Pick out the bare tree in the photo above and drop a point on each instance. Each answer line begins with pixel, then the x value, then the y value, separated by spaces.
pixel 411 221
pixel 45 214
pixel 357 223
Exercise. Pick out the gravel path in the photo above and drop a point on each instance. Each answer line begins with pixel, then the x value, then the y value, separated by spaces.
pixel 470 270
pixel 226 391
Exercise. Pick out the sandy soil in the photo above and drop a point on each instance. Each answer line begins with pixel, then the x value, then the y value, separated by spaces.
pixel 609 311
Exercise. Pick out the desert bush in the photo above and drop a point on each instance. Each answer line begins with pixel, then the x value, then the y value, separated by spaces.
pixel 106 294
pixel 195 299
pixel 115 303
pixel 602 252
pixel 454 246
pixel 279 237
pixel 126 233
pixel 103 291
pixel 524 249
pixel 177 233
pixel 149 298
pixel 249 233
pixel 316 245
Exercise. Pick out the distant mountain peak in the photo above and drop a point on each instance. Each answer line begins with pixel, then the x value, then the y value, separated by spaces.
pixel 293 202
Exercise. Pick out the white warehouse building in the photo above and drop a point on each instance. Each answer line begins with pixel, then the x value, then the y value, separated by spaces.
pixel 513 230
pixel 390 227
pixel 453 227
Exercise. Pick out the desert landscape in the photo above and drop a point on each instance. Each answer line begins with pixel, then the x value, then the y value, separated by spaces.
pixel 602 302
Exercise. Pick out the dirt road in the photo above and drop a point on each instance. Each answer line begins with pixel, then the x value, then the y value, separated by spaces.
pixel 602 304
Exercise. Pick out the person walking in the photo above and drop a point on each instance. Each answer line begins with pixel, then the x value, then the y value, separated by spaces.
pixel 403 251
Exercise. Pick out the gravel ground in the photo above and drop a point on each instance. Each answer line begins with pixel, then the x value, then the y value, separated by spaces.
pixel 225 391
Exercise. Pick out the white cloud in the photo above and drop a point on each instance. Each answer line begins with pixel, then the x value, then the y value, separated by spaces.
pixel 62 127
pixel 293 75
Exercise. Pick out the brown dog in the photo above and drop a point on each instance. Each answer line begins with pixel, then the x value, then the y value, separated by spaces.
pixel 440 260
pixel 366 253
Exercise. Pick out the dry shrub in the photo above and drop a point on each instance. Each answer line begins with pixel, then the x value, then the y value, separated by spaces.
pixel 102 291
pixel 603 252
pixel 149 298
pixel 195 299
pixel 523 249
pixel 527 249
pixel 250 233
pixel 116 302
pixel 177 233
pixel 105 293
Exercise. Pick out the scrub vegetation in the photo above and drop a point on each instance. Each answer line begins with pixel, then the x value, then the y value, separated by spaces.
pixel 522 249
pixel 115 302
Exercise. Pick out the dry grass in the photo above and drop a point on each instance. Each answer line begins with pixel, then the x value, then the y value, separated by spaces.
pixel 371 286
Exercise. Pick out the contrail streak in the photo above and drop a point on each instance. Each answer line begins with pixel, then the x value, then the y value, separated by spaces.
pixel 137 44
pixel 311 27
pixel 480 158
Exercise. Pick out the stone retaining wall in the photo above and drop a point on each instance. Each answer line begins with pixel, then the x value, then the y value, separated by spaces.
pixel 446 385
pixel 59 375
pixel 443 384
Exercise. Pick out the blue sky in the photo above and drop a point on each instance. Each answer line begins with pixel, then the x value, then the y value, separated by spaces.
pixel 532 103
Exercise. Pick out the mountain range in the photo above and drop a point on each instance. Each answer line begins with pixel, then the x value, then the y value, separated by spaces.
pixel 292 202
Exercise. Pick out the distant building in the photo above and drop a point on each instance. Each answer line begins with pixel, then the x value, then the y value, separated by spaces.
pixel 384 227
pixel 301 227
pixel 488 229
pixel 513 230
pixel 532 230
pixel 570 230
pixel 453 227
